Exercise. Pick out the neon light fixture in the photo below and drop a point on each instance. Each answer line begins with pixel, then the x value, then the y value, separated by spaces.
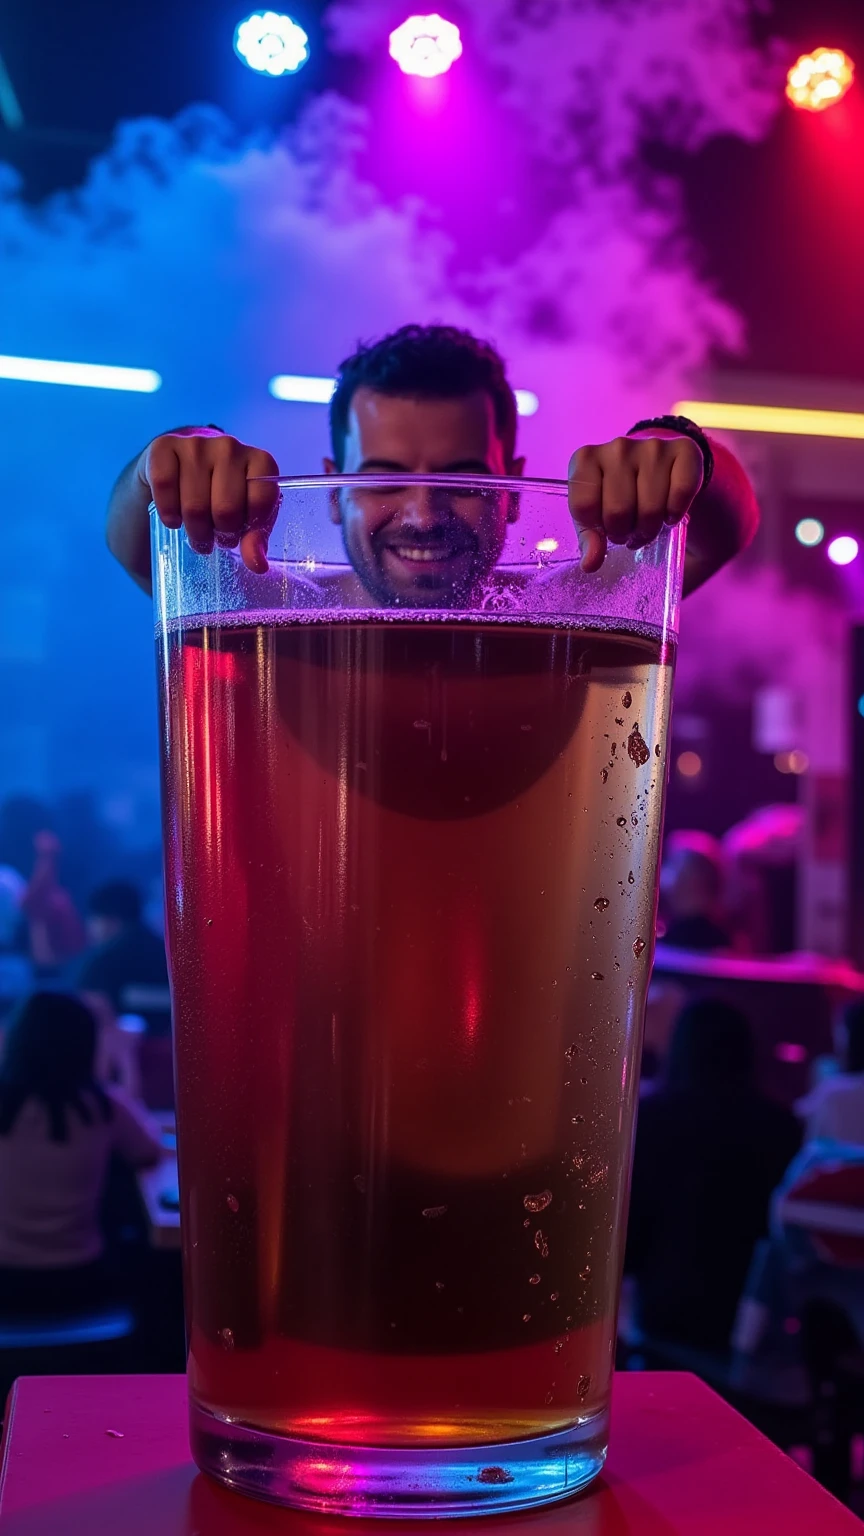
pixel 271 44
pixel 310 390
pixel 425 45
pixel 843 550
pixel 817 80
pixel 809 532
pixel 38 370
pixel 772 418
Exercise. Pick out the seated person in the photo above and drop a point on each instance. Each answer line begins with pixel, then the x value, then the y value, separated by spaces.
pixel 691 889
pixel 834 1109
pixel 58 1129
pixel 127 963
pixel 709 1152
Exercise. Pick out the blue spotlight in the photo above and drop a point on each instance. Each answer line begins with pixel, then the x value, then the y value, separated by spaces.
pixel 271 44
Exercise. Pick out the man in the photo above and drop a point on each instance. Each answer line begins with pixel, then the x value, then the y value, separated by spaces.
pixel 434 400
pixel 126 964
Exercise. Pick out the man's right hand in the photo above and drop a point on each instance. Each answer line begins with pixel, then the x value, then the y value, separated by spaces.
pixel 206 482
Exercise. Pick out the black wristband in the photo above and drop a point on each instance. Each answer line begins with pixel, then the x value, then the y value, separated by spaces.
pixel 685 428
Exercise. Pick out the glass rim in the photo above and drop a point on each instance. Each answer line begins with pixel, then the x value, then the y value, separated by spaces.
pixel 391 481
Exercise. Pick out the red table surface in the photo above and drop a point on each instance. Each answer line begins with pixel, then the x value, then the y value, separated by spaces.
pixel 682 1463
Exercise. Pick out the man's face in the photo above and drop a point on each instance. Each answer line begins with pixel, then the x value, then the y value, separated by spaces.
pixel 423 546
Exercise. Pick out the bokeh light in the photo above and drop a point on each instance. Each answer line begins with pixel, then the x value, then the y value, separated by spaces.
pixel 689 765
pixel 791 762
pixel 843 550
pixel 271 44
pixel 809 532
pixel 819 79
pixel 425 45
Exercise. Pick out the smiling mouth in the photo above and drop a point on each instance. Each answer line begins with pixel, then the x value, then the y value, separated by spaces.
pixel 424 554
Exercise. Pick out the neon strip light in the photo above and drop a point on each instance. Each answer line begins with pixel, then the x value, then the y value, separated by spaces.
pixel 309 390
pixel 38 370
pixel 772 418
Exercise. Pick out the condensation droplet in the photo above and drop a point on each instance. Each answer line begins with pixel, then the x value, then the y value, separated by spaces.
pixel 621 821
pixel 604 775
pixel 571 1051
pixel 431 1212
pixel 601 903
pixel 637 750
pixel 639 947
pixel 559 1345
pixel 631 878
pixel 539 1202
pixel 541 1244
pixel 657 750
pixel 619 721
pixel 494 1475
pixel 583 1386
pixel 578 1120
pixel 627 699
pixel 227 1337
pixel 596 975
pixel 233 1203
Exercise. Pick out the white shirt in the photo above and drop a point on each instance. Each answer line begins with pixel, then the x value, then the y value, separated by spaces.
pixel 50 1191
pixel 835 1109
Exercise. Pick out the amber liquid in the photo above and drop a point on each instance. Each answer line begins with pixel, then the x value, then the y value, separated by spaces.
pixel 412 882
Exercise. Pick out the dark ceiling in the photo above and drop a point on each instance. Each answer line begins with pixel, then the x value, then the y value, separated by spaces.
pixel 779 225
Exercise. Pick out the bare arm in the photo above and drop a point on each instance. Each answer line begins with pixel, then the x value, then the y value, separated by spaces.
pixel 198 478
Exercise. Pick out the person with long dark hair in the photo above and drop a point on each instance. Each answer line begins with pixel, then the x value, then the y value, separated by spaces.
pixel 58 1130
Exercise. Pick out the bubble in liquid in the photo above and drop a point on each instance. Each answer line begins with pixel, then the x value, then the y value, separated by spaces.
pixel 431 1212
pixel 631 878
pixel 555 1295
pixel 639 946
pixel 559 1345
pixel 541 1244
pixel 583 1387
pixel 526 1317
pixel 360 1183
pixel 577 1120
pixel 439 1285
pixel 585 1274
pixel 637 750
pixel 621 821
pixel 533 1279
pixel 601 903
pixel 539 1202
pixel 227 1337
pixel 627 699
pixel 422 725
pixel 233 1203
pixel 494 1475
pixel 596 975
pixel 527 1221
pixel 548 1398
pixel 571 1051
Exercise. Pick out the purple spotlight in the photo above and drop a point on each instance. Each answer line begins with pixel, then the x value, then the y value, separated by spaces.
pixel 844 550
pixel 425 45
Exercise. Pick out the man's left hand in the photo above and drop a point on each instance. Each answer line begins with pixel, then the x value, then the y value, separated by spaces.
pixel 624 492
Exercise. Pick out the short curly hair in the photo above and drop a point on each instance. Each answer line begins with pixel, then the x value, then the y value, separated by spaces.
pixel 433 362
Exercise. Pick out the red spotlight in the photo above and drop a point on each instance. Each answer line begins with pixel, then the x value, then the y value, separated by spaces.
pixel 819 79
